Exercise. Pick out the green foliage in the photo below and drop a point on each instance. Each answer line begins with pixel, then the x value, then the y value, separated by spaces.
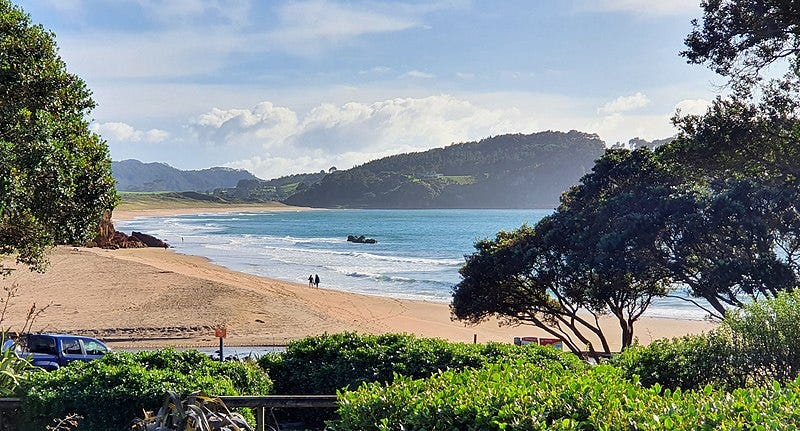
pixel 689 362
pixel 740 38
pixel 764 337
pixel 327 363
pixel 14 371
pixel 55 174
pixel 111 391
pixel 599 254
pixel 753 346
pixel 530 397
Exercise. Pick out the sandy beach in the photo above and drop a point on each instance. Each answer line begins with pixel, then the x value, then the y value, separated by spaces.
pixel 156 297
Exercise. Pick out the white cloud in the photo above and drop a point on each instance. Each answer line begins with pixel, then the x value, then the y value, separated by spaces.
pixel 188 11
pixel 418 74
pixel 625 103
pixel 117 132
pixel 378 70
pixel 308 26
pixel 692 106
pixel 265 125
pixel 344 135
pixel 643 7
pixel 462 75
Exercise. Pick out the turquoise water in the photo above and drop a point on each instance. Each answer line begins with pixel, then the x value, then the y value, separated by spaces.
pixel 417 255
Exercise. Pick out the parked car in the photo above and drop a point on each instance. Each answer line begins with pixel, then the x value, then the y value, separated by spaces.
pixel 52 351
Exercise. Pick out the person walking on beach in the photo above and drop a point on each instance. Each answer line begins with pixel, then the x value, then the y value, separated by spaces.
pixel 316 280
pixel 310 280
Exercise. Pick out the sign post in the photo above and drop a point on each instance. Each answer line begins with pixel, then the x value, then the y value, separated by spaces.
pixel 220 332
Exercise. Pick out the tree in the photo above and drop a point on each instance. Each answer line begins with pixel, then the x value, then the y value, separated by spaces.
pixel 739 38
pixel 597 255
pixel 55 174
pixel 724 249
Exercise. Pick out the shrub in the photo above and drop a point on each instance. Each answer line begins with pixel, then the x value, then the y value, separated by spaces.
pixel 692 361
pixel 524 396
pixel 753 346
pixel 111 391
pixel 327 363
pixel 764 337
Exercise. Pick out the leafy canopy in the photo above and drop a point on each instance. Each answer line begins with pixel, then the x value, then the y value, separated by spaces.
pixel 55 174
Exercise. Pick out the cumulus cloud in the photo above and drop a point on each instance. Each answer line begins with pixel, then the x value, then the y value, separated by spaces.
pixel 352 133
pixel 625 103
pixel 692 106
pixel 123 132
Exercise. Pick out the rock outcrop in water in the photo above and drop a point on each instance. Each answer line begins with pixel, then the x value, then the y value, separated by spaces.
pixel 360 239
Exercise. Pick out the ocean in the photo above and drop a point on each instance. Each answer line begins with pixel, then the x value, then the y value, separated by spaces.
pixel 417 254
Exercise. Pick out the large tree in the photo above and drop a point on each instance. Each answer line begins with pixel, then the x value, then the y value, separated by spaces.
pixel 597 255
pixel 55 174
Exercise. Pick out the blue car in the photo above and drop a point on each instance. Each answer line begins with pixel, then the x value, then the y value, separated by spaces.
pixel 52 351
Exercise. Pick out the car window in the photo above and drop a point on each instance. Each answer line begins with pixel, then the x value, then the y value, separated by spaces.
pixel 42 345
pixel 93 347
pixel 71 346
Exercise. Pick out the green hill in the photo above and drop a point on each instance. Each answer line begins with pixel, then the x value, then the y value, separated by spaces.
pixel 508 171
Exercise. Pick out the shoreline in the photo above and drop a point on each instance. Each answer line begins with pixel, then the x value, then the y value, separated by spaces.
pixel 124 213
pixel 150 298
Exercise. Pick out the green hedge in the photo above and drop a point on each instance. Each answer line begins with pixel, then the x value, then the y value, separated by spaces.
pixel 327 363
pixel 111 391
pixel 753 346
pixel 524 396
pixel 688 362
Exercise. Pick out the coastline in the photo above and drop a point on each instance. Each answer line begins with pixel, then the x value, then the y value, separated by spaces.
pixel 144 298
pixel 124 212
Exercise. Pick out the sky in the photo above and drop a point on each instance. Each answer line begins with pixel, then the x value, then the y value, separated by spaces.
pixel 282 87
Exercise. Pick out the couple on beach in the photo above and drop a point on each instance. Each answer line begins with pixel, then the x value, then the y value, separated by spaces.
pixel 313 280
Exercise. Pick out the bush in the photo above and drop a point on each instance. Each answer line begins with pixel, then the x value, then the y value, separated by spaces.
pixel 111 391
pixel 524 396
pixel 753 346
pixel 692 361
pixel 327 363
pixel 764 337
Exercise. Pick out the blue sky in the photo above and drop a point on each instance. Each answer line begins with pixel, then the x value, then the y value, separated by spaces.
pixel 280 87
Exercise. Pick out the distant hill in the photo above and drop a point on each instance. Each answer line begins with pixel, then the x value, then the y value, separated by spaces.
pixel 277 189
pixel 508 171
pixel 135 176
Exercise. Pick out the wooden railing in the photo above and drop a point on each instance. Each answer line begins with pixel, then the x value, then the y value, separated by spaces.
pixel 10 407
pixel 260 404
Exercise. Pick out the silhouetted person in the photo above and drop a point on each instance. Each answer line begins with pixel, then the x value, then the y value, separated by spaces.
pixel 310 280
pixel 316 280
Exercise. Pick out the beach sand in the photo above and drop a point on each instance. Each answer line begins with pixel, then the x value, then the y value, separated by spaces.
pixel 150 297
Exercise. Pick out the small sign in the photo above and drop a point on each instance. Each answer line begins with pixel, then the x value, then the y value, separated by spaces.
pixel 555 342
pixel 220 332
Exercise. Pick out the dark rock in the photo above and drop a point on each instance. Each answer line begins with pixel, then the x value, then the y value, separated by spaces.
pixel 149 240
pixel 360 239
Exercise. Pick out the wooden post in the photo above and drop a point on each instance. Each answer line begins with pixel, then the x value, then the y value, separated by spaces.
pixel 221 332
pixel 261 423
pixel 474 338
